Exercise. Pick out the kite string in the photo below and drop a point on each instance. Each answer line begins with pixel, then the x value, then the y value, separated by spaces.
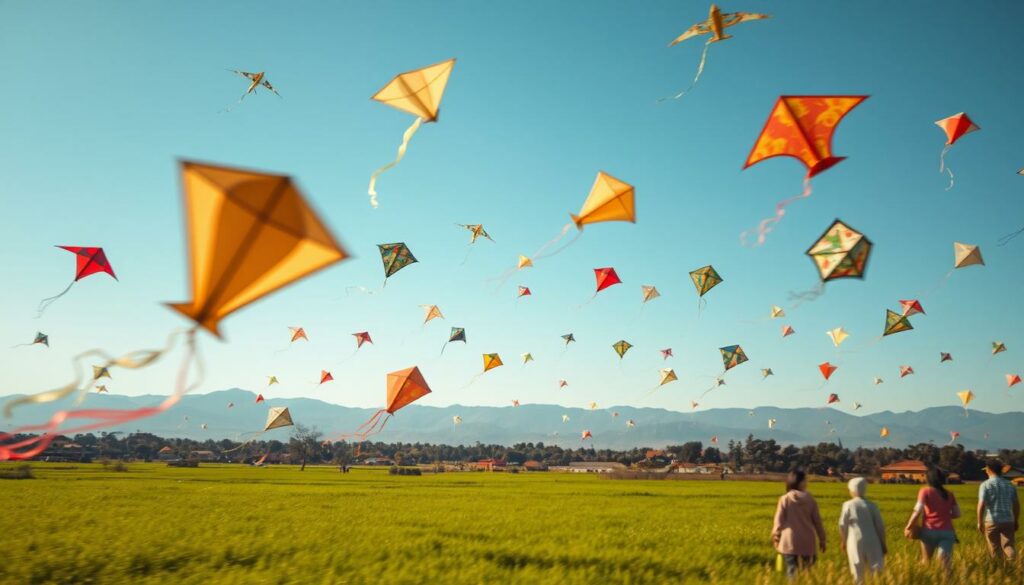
pixel 765 227
pixel 45 303
pixel 700 71
pixel 372 191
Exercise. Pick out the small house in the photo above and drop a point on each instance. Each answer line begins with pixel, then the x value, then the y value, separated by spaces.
pixel 908 471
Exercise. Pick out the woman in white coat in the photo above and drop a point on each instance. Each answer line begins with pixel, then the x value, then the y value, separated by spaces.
pixel 861 532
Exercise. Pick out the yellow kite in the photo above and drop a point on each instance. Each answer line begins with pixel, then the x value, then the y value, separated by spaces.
pixel 649 292
pixel 431 312
pixel 966 255
pixel 966 396
pixel 667 375
pixel 837 335
pixel 524 262
pixel 777 312
pixel 610 200
pixel 491 361
pixel 418 93
pixel 250 234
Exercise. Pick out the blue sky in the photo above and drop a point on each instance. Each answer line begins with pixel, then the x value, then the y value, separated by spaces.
pixel 101 99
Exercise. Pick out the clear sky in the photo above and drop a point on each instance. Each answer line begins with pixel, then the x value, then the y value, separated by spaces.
pixel 101 99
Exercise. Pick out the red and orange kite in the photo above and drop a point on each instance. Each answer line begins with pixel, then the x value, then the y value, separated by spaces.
pixel 88 261
pixel 605 277
pixel 404 387
pixel 800 126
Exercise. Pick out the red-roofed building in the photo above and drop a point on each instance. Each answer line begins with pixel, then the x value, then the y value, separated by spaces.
pixel 490 465
pixel 908 471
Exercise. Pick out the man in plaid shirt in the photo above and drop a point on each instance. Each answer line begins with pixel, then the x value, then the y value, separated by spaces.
pixel 998 512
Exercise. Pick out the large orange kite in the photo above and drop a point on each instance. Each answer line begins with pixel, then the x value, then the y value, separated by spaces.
pixel 800 126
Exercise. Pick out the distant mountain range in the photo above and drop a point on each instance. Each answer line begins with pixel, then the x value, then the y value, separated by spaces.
pixel 507 425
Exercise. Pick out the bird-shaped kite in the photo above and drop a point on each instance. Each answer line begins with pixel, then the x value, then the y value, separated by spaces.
pixel 955 127
pixel 271 380
pixel 827 370
pixel 361 338
pixel 895 323
pixel 998 347
pixel 515 403
pixel 568 338
pixel 249 235
pixel 395 257
pixel 457 334
pixel 563 384
pixel 100 372
pixel 857 405
pixel 878 381
pixel 88 261
pixel 715 26
pixel 1012 380
pixel 419 93
pixel 586 435
pixel 906 371
pixel 765 372
pixel 527 357
pixel 565 418
pixel 787 331
pixel 621 347
pixel 256 80
pixel 431 312
pixel 837 335
pixel 966 255
pixel 945 357
pixel 800 127
pixel 771 423
pixel 666 353
pixel 649 293
pixel 403 388
pixel 476 230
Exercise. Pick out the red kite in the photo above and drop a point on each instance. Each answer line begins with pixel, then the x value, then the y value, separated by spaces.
pixel 88 261
pixel 298 333
pixel 605 277
pixel 524 291
pixel 911 307
pixel 833 398
pixel 361 338
pixel 259 398
pixel 800 127
pixel 325 376
pixel 827 369
pixel 906 371
pixel 1012 380
pixel 955 127
pixel 404 387
pixel 666 353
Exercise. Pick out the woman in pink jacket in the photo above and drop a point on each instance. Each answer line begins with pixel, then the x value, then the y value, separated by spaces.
pixel 797 525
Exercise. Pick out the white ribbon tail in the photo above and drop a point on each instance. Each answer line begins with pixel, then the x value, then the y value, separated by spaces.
pixel 401 153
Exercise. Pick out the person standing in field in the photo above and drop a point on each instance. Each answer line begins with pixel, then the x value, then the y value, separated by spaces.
pixel 797 525
pixel 998 512
pixel 861 532
pixel 938 507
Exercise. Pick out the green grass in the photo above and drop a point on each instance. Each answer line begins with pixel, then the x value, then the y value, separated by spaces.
pixel 277 525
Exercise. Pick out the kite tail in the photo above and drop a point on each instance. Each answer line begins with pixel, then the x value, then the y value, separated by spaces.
pixel 130 361
pixel 700 70
pixel 262 459
pixel 401 153
pixel 807 295
pixel 943 167
pixel 767 225
pixel 442 348
pixel 43 304
pixel 102 417
pixel 542 254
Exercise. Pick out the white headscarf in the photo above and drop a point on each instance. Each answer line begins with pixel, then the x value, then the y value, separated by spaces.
pixel 858 486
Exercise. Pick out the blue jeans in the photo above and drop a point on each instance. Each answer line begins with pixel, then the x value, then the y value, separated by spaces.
pixel 795 563
pixel 939 539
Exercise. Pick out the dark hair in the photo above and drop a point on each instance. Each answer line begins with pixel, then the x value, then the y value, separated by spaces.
pixel 936 479
pixel 795 478
pixel 995 466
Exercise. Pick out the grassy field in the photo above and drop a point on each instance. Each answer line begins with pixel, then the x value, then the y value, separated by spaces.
pixel 276 525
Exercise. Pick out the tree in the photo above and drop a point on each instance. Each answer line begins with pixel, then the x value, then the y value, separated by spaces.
pixel 304 444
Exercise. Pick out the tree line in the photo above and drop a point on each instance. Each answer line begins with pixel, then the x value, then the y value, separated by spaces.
pixel 752 455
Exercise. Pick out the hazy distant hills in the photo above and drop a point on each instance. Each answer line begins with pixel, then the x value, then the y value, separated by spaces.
pixel 506 425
